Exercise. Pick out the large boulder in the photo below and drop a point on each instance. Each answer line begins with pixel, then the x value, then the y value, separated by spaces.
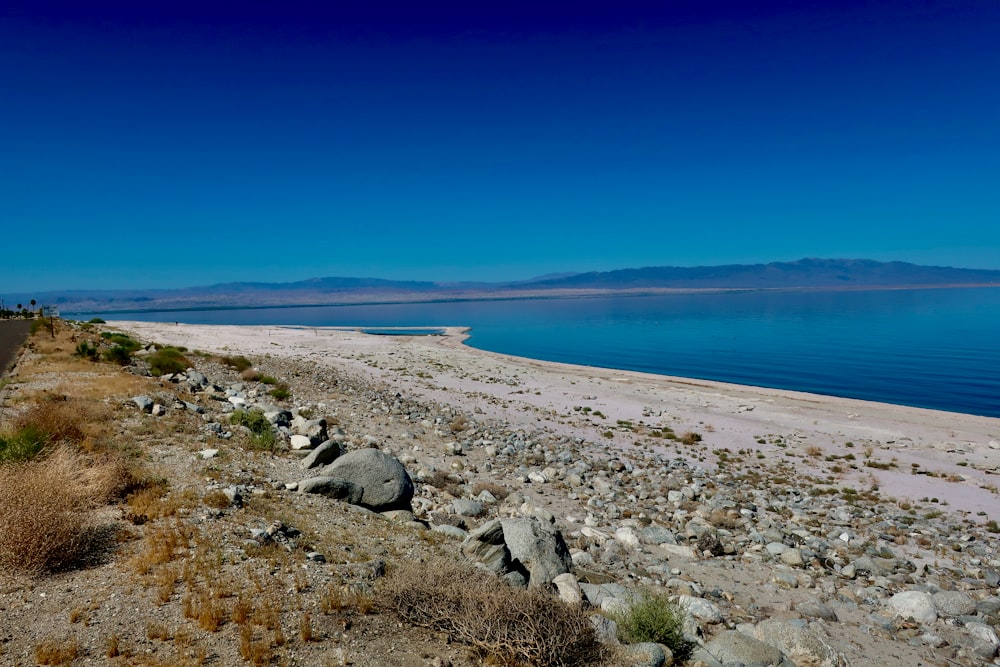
pixel 803 645
pixel 734 648
pixel 384 481
pixel 917 605
pixel 333 487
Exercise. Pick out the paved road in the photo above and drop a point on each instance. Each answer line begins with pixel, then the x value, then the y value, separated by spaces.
pixel 12 335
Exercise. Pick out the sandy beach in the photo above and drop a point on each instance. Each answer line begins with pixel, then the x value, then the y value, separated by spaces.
pixel 908 453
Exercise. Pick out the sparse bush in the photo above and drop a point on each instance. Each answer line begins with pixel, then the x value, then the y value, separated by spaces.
pixel 250 375
pixel 167 360
pixel 507 626
pixel 267 379
pixel 690 438
pixel 239 362
pixel 654 618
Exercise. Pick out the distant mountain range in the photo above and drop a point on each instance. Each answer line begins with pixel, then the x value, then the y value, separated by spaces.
pixel 802 274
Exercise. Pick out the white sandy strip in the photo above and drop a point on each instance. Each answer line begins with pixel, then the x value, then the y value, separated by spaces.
pixel 535 394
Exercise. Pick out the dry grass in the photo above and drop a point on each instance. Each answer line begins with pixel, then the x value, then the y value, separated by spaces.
pixel 46 511
pixel 507 626
pixel 57 652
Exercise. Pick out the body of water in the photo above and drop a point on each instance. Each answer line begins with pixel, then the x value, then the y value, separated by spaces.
pixel 934 348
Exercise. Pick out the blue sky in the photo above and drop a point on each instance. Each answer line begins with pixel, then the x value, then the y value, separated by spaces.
pixel 159 144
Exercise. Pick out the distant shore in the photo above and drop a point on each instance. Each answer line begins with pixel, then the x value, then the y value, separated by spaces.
pixel 905 451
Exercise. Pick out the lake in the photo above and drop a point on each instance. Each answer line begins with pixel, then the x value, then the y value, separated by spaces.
pixel 933 348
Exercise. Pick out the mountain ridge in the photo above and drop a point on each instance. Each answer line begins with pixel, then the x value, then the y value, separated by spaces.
pixel 806 273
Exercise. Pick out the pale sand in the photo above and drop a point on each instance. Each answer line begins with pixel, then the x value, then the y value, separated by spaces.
pixel 533 394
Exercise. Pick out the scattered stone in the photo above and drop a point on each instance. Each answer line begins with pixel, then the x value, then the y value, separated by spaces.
pixel 569 588
pixel 144 403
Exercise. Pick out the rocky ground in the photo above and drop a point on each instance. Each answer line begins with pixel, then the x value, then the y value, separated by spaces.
pixel 795 530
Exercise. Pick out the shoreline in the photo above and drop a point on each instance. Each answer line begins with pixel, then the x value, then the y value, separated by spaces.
pixel 907 452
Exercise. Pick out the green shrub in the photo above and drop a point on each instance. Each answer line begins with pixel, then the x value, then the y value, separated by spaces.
pixel 280 392
pixel 85 350
pixel 119 354
pixel 167 360
pixel 267 379
pixel 654 618
pixel 239 362
pixel 261 434
pixel 121 340
pixel 96 320
pixel 23 444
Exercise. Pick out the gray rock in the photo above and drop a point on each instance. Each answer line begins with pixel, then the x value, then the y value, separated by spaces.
pixel 144 403
pixel 733 649
pixel 605 629
pixel 917 605
pixel 816 609
pixel 538 547
pixel 791 558
pixel 300 442
pixel 332 487
pixel 569 588
pixel 984 639
pixel 646 654
pixel 314 429
pixel 701 609
pixel 467 507
pixel 383 479
pixel 802 645
pixel 954 603
pixel 657 535
pixel 196 379
pixel 451 531
pixel 486 547
pixel 325 454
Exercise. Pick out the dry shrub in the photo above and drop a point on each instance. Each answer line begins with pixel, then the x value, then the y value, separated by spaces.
pixel 498 492
pixel 509 626
pixel 251 375
pixel 57 652
pixel 45 511
pixel 721 518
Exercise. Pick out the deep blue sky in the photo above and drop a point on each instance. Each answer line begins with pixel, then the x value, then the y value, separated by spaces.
pixel 158 144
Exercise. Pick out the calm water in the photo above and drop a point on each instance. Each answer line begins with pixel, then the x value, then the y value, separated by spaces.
pixel 936 348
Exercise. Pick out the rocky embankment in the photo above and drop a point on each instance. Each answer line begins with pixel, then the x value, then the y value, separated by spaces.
pixel 774 565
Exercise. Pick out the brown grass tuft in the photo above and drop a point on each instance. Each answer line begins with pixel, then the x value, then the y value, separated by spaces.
pixel 57 652
pixel 45 511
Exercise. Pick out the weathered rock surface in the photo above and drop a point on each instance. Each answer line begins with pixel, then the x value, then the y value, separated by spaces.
pixel 384 481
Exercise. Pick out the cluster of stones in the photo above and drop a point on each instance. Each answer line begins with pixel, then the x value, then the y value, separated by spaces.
pixel 597 525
